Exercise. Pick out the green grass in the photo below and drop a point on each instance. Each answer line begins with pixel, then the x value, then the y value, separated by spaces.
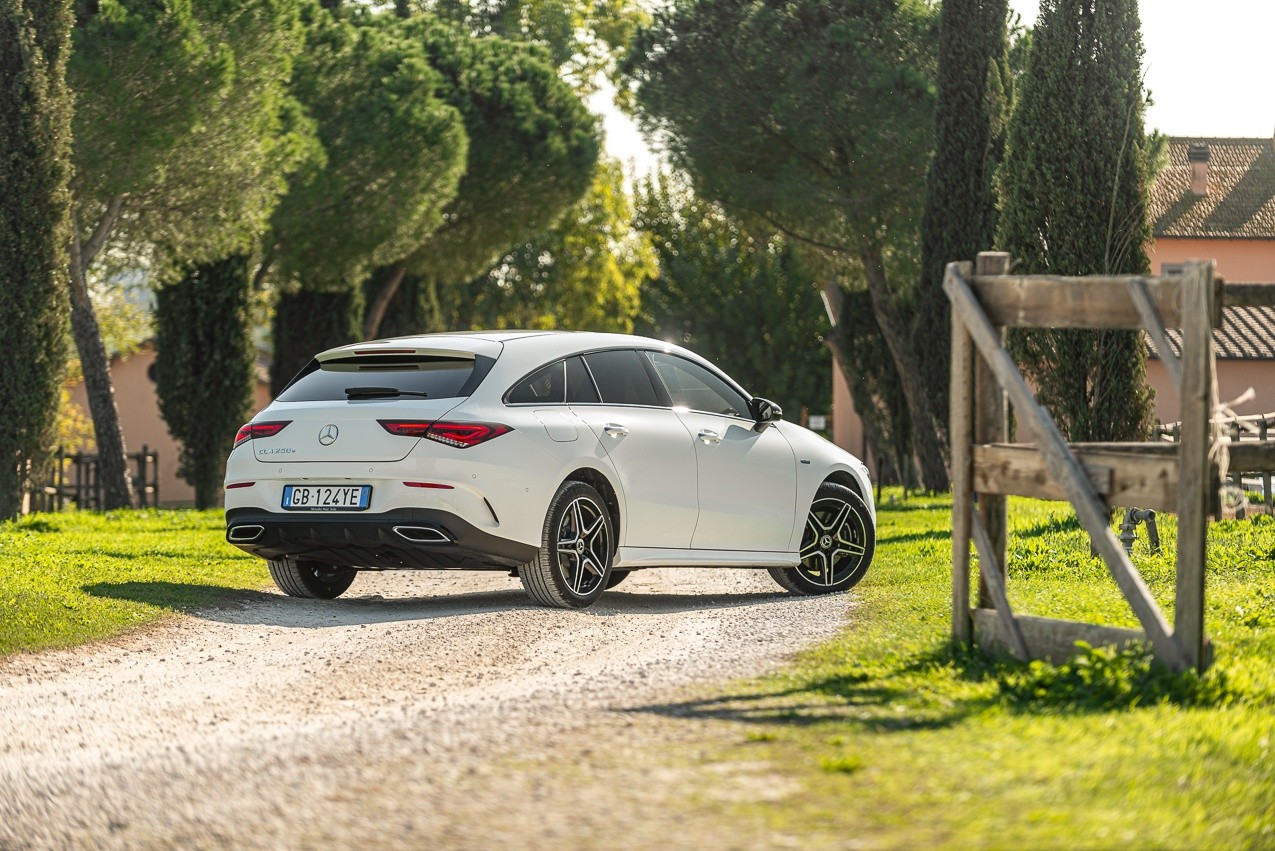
pixel 70 578
pixel 898 741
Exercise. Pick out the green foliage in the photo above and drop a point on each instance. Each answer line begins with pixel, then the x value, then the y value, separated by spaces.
pixel 814 118
pixel 1073 191
pixel 70 578
pixel 309 321
pixel 35 125
pixel 1107 678
pixel 585 273
pixel 204 368
pixel 532 149
pixel 183 111
pixel 974 89
pixel 393 154
pixel 743 300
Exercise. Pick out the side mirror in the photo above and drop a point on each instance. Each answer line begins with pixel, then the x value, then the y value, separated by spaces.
pixel 764 411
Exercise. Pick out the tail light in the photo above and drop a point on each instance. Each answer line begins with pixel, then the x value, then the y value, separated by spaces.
pixel 460 435
pixel 251 430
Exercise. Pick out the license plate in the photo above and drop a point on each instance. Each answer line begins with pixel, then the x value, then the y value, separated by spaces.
pixel 326 497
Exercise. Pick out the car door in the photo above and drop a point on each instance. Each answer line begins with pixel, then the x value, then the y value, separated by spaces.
pixel 646 443
pixel 747 478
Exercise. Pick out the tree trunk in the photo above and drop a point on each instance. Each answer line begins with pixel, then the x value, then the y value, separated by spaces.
pixel 885 463
pixel 206 494
pixel 117 486
pixel 381 299
pixel 930 452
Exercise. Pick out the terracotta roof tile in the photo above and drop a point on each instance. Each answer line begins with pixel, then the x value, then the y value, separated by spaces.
pixel 1247 333
pixel 1240 203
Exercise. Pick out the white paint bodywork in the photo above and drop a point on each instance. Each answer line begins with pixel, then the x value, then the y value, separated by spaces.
pixel 736 496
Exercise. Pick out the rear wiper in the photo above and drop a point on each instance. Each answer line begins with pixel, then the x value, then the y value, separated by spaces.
pixel 380 393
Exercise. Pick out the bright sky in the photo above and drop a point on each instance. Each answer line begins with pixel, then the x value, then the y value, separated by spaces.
pixel 1209 65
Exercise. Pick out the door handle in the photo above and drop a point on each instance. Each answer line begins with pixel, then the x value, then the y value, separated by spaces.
pixel 709 436
pixel 615 429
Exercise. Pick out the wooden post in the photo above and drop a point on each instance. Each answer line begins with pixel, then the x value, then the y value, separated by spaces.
pixel 991 425
pixel 962 435
pixel 1199 438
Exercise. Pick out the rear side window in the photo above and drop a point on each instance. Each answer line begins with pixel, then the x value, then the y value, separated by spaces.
pixel 542 387
pixel 423 376
pixel 580 387
pixel 622 379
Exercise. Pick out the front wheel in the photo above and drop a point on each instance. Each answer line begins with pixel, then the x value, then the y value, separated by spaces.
pixel 836 546
pixel 577 548
pixel 310 579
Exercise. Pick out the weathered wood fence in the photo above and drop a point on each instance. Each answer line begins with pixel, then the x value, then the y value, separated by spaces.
pixel 1183 477
pixel 74 478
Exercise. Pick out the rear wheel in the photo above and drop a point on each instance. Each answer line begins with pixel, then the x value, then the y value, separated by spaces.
pixel 310 579
pixel 836 546
pixel 577 547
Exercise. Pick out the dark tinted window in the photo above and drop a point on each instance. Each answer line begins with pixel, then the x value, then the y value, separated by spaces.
pixel 622 378
pixel 579 383
pixel 542 387
pixel 436 377
pixel 692 386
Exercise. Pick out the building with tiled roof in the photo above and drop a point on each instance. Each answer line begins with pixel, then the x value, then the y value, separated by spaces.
pixel 1216 200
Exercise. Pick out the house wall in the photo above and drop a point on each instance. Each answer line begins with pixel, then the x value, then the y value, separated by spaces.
pixel 1234 378
pixel 142 424
pixel 1250 260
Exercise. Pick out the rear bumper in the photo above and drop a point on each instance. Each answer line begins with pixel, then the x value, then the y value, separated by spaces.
pixel 408 538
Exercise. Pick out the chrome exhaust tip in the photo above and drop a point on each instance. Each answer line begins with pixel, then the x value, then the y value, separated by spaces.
pixel 422 535
pixel 244 534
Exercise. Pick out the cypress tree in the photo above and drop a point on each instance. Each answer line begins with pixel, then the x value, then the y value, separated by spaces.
pixel 1074 202
pixel 35 138
pixel 307 322
pixel 204 368
pixel 960 199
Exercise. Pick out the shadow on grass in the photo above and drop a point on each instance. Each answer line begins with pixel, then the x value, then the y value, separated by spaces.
pixel 228 605
pixel 1052 526
pixel 884 701
pixel 906 537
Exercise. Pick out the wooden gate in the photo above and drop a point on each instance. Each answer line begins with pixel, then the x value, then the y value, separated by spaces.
pixel 1184 478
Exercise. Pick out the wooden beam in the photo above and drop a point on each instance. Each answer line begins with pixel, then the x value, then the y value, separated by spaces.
pixel 991 425
pixel 1196 451
pixel 1051 639
pixel 1154 325
pixel 1252 457
pixel 1248 295
pixel 1065 470
pixel 1130 480
pixel 1044 301
pixel 994 574
pixel 961 434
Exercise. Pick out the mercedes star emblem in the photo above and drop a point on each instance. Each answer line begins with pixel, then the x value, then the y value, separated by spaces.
pixel 328 434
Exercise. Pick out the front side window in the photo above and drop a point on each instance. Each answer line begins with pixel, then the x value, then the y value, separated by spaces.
pixel 692 386
pixel 622 379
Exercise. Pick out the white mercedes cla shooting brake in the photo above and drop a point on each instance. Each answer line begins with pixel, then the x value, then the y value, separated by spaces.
pixel 568 459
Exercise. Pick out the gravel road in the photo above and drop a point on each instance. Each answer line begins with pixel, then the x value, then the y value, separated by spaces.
pixel 421 710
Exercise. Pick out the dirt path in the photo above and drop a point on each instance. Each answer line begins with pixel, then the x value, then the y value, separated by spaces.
pixel 423 710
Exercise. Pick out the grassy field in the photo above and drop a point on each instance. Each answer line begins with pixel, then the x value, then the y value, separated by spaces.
pixel 70 578
pixel 897 741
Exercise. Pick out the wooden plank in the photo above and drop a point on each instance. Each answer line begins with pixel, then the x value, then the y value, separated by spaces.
pixel 994 574
pixel 961 434
pixel 1248 295
pixel 1064 468
pixel 991 425
pixel 1252 457
pixel 1050 639
pixel 1195 479
pixel 1129 480
pixel 1154 325
pixel 1044 301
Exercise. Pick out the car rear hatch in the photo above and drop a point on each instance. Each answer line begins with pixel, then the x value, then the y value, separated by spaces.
pixel 337 407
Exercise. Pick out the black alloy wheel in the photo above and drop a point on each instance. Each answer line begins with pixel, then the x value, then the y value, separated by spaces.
pixel 577 549
pixel 836 547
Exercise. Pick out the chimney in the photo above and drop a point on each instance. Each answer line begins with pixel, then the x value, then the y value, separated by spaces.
pixel 1198 156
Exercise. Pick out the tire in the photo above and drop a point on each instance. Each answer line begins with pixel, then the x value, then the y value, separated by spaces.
pixel 616 577
pixel 577 549
pixel 836 547
pixel 312 580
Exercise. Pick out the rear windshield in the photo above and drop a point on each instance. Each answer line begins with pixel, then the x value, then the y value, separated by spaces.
pixel 435 377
